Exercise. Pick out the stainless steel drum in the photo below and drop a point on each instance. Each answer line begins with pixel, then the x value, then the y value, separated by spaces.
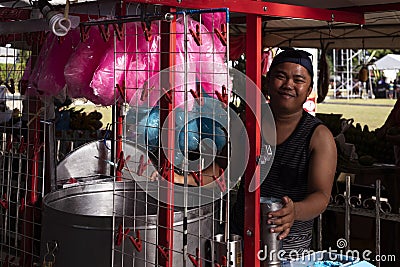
pixel 79 219
pixel 92 161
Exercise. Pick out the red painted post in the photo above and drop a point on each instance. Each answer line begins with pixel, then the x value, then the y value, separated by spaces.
pixel 167 123
pixel 252 199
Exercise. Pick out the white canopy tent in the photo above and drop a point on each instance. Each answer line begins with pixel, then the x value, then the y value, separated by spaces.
pixel 390 64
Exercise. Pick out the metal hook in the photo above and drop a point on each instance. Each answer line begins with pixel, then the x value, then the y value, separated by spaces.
pixel 49 259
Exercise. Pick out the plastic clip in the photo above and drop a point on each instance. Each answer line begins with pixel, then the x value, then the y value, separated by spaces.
pixel 9 143
pixel 197 177
pixel 168 95
pixel 224 262
pixel 105 32
pixel 165 169
pixel 4 202
pixel 142 166
pixel 137 242
pixel 119 30
pixel 195 260
pixel 121 162
pixel 22 146
pixel 146 26
pixel 197 94
pixel 84 31
pixel 163 252
pixel 146 90
pixel 221 34
pixel 22 205
pixel 220 180
pixel 121 90
pixel 223 97
pixel 121 235
pixel 34 180
pixel 196 35
pixel 72 181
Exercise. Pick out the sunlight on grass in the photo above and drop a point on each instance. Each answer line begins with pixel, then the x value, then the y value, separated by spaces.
pixel 371 112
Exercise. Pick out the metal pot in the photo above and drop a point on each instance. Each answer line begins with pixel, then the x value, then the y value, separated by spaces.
pixel 80 220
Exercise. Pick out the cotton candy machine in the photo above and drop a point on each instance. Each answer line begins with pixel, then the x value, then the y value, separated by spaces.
pixel 79 219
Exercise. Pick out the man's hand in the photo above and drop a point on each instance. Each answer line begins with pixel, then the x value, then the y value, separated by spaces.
pixel 283 218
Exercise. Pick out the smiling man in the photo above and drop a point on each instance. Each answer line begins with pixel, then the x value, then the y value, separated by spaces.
pixel 304 165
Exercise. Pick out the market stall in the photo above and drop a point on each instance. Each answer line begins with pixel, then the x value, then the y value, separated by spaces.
pixel 162 70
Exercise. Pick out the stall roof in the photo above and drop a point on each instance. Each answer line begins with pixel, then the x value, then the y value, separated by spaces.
pixel 380 29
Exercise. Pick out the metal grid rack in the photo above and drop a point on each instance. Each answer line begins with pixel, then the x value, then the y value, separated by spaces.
pixel 22 168
pixel 170 225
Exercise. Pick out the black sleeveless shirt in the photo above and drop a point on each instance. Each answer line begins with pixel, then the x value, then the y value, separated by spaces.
pixel 288 176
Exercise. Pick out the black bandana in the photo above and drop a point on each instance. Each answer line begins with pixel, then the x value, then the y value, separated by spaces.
pixel 300 57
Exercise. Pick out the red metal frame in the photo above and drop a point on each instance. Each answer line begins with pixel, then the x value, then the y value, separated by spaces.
pixel 265 9
pixel 252 199
pixel 372 8
pixel 166 211
pixel 120 117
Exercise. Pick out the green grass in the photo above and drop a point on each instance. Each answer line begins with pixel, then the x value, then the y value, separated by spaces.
pixel 371 112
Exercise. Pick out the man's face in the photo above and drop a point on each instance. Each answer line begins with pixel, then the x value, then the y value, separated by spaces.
pixel 289 85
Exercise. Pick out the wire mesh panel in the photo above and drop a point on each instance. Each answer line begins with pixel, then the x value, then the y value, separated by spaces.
pixel 22 165
pixel 177 213
pixel 165 198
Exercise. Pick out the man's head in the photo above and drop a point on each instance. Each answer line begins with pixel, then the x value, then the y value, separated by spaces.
pixel 300 57
pixel 289 81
